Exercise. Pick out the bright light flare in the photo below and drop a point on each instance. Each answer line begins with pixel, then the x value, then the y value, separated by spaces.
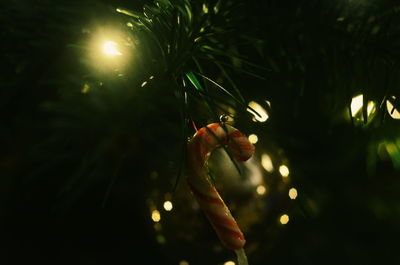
pixel 110 49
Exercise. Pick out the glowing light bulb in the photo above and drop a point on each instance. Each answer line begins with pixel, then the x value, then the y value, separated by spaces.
pixel 293 193
pixel 261 114
pixel 284 219
pixel 168 206
pixel 110 49
pixel 266 162
pixel 389 106
pixel 253 138
pixel 155 215
pixel 261 190
pixel 356 104
pixel 370 107
pixel 284 170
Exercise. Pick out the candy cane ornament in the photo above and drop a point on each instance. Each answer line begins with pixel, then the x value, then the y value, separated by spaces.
pixel 199 148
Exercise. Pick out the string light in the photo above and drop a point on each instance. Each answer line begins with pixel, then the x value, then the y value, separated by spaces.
pixel 357 104
pixel 253 138
pixel 266 162
pixel 393 112
pixel 293 193
pixel 284 219
pixel 110 49
pixel 284 170
pixel 168 206
pixel 155 216
pixel 144 83
pixel 261 189
pixel 260 115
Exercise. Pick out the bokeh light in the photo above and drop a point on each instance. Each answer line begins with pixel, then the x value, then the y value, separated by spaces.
pixel 229 262
pixel 266 162
pixel 110 49
pixel 284 219
pixel 357 104
pixel 293 193
pixel 261 189
pixel 155 216
pixel 253 138
pixel 393 112
pixel 261 114
pixel 168 205
pixel 284 170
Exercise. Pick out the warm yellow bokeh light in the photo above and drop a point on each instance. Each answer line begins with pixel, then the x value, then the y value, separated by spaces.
pixel 253 138
pixel 293 193
pixel 284 219
pixel 168 205
pixel 110 49
pixel 155 215
pixel 357 104
pixel 284 170
pixel 389 106
pixel 229 262
pixel 261 114
pixel 261 189
pixel 370 107
pixel 183 262
pixel 266 162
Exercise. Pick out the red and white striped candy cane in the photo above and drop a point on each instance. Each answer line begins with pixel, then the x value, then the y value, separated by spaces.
pixel 199 148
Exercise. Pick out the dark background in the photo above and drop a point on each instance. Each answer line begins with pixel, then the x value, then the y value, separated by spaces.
pixel 57 205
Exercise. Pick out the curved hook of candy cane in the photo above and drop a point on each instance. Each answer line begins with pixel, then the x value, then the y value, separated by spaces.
pixel 199 148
